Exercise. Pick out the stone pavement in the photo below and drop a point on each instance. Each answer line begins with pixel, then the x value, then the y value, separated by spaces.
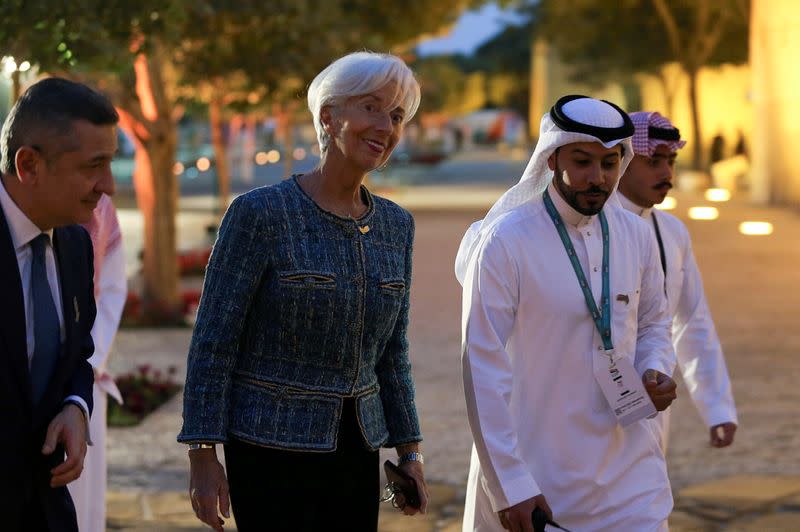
pixel 751 283
pixel 745 503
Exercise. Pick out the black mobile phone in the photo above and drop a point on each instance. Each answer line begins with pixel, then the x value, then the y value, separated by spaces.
pixel 540 520
pixel 403 482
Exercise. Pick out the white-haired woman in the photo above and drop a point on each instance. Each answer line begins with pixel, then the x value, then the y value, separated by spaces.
pixel 299 360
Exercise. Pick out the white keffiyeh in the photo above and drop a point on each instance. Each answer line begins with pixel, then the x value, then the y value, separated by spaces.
pixel 537 174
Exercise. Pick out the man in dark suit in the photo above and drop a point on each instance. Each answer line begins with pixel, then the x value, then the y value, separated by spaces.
pixel 56 146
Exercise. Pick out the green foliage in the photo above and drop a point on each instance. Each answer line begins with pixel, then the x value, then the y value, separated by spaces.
pixel 87 35
pixel 254 55
pixel 508 52
pixel 604 41
pixel 445 78
pixel 271 49
pixel 443 83
pixel 612 41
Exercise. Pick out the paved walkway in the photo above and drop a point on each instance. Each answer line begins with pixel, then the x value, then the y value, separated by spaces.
pixel 751 283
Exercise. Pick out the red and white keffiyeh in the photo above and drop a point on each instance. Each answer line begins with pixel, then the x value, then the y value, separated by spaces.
pixel 105 233
pixel 643 142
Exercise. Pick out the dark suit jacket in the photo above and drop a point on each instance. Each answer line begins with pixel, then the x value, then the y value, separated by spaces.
pixel 25 471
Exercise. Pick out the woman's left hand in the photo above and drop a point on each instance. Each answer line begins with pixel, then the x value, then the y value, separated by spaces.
pixel 416 471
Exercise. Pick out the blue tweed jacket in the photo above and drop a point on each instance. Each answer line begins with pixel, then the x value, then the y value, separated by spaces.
pixel 302 308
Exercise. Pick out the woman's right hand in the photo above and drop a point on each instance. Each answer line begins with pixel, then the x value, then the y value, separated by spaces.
pixel 208 485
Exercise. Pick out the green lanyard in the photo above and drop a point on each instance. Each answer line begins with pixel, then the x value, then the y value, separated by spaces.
pixel 602 318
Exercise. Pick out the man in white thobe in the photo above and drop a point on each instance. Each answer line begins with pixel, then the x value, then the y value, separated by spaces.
pixel 532 354
pixel 645 183
pixel 110 290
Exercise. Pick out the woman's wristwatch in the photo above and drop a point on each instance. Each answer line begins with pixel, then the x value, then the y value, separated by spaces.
pixel 413 456
pixel 196 446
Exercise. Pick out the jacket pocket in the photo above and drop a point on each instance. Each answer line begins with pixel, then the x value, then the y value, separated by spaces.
pixel 391 293
pixel 310 317
pixel 372 419
pixel 395 287
pixel 277 416
pixel 307 279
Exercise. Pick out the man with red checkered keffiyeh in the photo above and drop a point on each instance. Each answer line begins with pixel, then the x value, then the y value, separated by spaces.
pixel 645 183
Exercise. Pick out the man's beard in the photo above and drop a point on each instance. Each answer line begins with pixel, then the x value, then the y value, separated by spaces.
pixel 571 196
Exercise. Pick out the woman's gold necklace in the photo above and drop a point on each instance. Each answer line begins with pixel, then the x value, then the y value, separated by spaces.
pixel 313 195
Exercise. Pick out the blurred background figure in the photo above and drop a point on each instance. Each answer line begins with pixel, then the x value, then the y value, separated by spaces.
pixel 110 290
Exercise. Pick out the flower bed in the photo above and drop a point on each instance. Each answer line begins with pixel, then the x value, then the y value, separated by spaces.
pixel 191 267
pixel 133 314
pixel 193 262
pixel 143 391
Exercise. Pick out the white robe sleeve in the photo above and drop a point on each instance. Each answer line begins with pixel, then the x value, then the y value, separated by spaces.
pixel 490 300
pixel 113 289
pixel 698 348
pixel 653 342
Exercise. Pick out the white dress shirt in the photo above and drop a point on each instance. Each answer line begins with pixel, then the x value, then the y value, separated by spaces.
pixel 113 289
pixel 89 490
pixel 695 339
pixel 23 231
pixel 538 416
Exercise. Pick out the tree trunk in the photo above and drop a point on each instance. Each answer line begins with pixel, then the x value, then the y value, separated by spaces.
pixel 146 112
pixel 284 115
pixel 16 87
pixel 221 156
pixel 669 92
pixel 539 80
pixel 157 197
pixel 697 146
pixel 288 147
pixel 249 147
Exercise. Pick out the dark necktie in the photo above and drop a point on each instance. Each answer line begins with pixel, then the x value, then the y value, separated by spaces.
pixel 46 328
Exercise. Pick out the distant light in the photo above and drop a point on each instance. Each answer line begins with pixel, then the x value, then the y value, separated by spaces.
pixel 273 156
pixel 24 66
pixel 299 154
pixel 718 194
pixel 9 65
pixel 668 204
pixel 262 158
pixel 192 172
pixel 203 164
pixel 178 168
pixel 755 228
pixel 703 213
pixel 315 150
pixel 253 98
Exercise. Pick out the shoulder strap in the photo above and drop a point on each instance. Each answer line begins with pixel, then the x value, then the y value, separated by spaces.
pixel 660 248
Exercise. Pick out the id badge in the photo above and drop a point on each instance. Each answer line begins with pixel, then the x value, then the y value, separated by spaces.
pixel 624 391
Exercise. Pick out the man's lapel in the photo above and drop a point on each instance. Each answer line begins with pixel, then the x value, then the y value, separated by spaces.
pixel 65 251
pixel 12 313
